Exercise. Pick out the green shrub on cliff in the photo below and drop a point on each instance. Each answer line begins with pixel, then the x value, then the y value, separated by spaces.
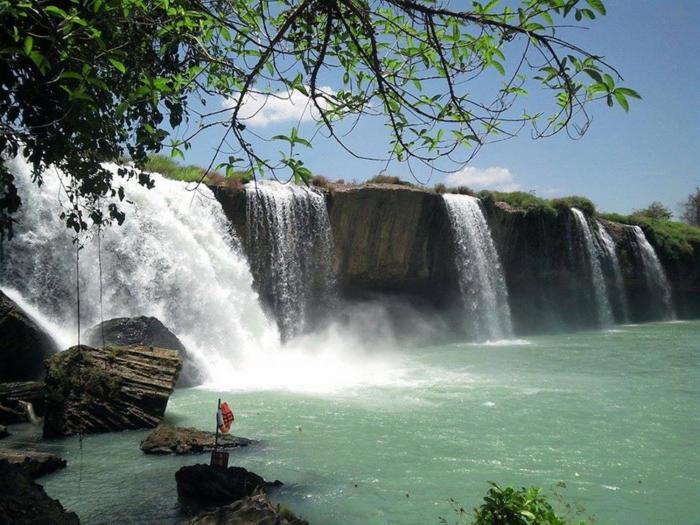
pixel 532 204
pixel 575 201
pixel 171 169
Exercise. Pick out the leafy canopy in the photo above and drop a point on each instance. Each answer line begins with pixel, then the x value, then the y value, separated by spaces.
pixel 83 81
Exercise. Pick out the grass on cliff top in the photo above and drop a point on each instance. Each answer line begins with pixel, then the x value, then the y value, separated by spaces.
pixel 675 238
pixel 171 169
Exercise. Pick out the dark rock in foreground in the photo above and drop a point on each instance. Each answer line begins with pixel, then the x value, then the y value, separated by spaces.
pixel 23 502
pixel 166 439
pixel 23 343
pixel 91 390
pixel 12 397
pixel 144 331
pixel 254 510
pixel 208 485
pixel 3 432
pixel 35 463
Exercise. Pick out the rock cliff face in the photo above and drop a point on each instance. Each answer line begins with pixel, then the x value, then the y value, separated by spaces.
pixel 396 240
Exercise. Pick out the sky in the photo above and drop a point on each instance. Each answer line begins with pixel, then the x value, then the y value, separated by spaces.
pixel 624 161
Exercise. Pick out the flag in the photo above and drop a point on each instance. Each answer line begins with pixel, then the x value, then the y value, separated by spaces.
pixel 224 418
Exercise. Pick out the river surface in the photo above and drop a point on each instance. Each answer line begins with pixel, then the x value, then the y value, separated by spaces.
pixel 614 415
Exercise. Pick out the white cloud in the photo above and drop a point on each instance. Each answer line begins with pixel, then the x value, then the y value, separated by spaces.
pixel 260 109
pixel 493 178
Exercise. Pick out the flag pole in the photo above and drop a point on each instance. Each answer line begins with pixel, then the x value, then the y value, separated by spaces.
pixel 216 438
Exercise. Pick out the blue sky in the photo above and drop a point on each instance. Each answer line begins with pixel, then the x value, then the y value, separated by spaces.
pixel 624 162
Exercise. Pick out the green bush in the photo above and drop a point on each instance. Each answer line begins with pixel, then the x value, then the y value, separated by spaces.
pixel 510 506
pixel 574 201
pixel 532 204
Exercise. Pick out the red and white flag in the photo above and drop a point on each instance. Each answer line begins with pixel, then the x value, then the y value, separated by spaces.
pixel 224 418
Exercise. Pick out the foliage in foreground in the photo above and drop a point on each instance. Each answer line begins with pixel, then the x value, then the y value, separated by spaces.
pixel 85 81
pixel 510 506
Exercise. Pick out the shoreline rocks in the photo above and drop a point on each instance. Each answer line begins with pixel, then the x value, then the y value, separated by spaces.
pixel 91 390
pixel 23 343
pixel 23 502
pixel 144 331
pixel 207 485
pixel 34 463
pixel 167 439
pixel 253 510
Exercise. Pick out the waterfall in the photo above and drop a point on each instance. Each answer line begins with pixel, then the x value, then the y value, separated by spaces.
pixel 481 282
pixel 291 251
pixel 613 264
pixel 173 258
pixel 592 254
pixel 654 274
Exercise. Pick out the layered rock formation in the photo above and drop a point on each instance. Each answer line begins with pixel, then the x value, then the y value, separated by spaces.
pixel 33 462
pixel 143 331
pixel 92 390
pixel 23 502
pixel 166 439
pixel 254 510
pixel 23 343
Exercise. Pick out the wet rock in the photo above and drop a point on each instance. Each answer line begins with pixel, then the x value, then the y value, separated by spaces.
pixel 23 502
pixel 207 485
pixel 92 390
pixel 23 343
pixel 144 331
pixel 35 463
pixel 16 398
pixel 166 439
pixel 3 432
pixel 254 510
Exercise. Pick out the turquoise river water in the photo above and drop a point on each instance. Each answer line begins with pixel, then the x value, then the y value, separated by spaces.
pixel 615 415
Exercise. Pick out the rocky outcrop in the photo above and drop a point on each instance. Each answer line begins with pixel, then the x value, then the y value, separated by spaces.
pixel 207 485
pixel 254 510
pixel 92 390
pixel 23 343
pixel 35 463
pixel 166 439
pixel 19 400
pixel 143 331
pixel 23 502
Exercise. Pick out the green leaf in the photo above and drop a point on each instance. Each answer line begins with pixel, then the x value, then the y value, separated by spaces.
pixel 597 5
pixel 629 92
pixel 54 10
pixel 28 45
pixel 621 100
pixel 118 65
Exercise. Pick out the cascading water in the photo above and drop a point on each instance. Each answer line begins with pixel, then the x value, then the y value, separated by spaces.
pixel 592 254
pixel 613 264
pixel 656 279
pixel 291 251
pixel 173 258
pixel 481 281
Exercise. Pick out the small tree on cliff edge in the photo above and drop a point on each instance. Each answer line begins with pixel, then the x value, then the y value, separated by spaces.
pixel 82 81
pixel 690 209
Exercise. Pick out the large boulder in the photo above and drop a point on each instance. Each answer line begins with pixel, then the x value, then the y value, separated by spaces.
pixel 23 343
pixel 35 463
pixel 144 331
pixel 23 502
pixel 92 390
pixel 207 485
pixel 20 400
pixel 166 439
pixel 254 510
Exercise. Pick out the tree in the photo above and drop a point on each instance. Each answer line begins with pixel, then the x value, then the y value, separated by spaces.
pixel 655 210
pixel 690 209
pixel 82 81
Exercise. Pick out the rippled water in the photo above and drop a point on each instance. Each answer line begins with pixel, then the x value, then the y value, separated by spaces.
pixel 614 414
